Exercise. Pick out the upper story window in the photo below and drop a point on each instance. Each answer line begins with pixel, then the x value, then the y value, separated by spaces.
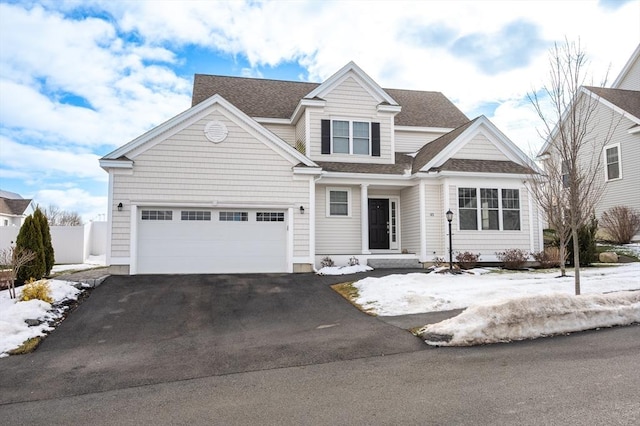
pixel 612 162
pixel 350 137
pixel 495 213
pixel 565 173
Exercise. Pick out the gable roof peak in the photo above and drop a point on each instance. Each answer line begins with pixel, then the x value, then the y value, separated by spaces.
pixel 337 78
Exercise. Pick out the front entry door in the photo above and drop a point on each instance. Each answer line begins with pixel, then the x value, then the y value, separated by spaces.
pixel 378 223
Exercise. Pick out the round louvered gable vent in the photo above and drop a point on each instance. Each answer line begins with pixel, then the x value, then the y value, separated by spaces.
pixel 216 131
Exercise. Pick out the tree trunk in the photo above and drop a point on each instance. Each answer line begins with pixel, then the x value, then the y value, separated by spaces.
pixel 563 256
pixel 576 258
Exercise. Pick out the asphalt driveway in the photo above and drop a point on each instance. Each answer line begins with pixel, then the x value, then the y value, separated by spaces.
pixel 140 330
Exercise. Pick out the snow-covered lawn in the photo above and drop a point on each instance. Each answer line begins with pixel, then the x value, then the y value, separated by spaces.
pixel 343 270
pixel 420 292
pixel 14 331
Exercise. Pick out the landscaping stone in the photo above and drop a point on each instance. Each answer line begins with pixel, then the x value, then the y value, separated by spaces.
pixel 608 257
pixel 32 322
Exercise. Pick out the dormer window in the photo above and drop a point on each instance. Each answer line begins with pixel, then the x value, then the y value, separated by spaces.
pixel 350 137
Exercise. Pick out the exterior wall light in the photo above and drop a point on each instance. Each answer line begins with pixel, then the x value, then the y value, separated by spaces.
pixel 119 207
pixel 301 210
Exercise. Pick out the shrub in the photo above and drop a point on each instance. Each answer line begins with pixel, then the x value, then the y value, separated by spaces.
pixel 30 238
pixel 43 224
pixel 327 262
pixel 620 223
pixel 439 261
pixel 513 258
pixel 548 258
pixel 467 260
pixel 586 243
pixel 36 290
pixel 353 261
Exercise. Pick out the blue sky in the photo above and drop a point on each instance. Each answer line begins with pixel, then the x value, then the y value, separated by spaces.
pixel 80 78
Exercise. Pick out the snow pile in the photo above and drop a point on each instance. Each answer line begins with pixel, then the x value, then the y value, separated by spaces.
pixel 14 330
pixel 343 270
pixel 420 292
pixel 90 263
pixel 535 316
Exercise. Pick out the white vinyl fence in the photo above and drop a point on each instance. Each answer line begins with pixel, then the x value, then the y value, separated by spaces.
pixel 71 244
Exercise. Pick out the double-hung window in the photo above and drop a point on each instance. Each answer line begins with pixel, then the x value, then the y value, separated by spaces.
pixel 612 162
pixel 338 202
pixel 496 210
pixel 351 137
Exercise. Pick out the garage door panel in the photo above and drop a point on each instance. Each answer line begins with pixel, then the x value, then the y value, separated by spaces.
pixel 212 246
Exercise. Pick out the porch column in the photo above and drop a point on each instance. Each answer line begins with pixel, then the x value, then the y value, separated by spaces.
pixel 364 217
pixel 422 211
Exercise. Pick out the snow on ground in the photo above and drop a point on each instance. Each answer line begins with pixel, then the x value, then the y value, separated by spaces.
pixel 14 330
pixel 420 292
pixel 91 262
pixel 343 270
pixel 534 316
pixel 505 306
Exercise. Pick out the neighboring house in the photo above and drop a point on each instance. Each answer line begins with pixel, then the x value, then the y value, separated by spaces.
pixel 617 121
pixel 14 209
pixel 273 176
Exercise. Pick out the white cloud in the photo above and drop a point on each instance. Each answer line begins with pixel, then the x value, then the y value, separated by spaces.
pixel 89 207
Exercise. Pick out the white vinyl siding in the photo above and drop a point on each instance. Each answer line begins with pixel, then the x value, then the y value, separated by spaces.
pixel 301 134
pixel 623 191
pixel 410 224
pixel 337 234
pixel 187 168
pixel 631 81
pixel 409 142
pixel 480 148
pixel 434 221
pixel 285 132
pixel 350 101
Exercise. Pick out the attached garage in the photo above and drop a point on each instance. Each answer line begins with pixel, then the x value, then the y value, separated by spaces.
pixel 189 241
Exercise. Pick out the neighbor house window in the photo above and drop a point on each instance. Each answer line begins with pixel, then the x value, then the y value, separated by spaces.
pixel 338 202
pixel 157 215
pixel 195 215
pixel 270 217
pixel 234 216
pixel 612 158
pixel 495 213
pixel 565 173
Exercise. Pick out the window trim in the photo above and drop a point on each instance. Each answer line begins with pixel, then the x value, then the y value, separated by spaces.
pixel 156 215
pixel 606 164
pixel 328 201
pixel 479 209
pixel 351 136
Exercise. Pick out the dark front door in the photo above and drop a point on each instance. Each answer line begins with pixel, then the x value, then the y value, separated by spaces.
pixel 378 223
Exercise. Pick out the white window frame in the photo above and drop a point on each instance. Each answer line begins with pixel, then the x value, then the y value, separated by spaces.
pixel 606 168
pixel 328 201
pixel 351 121
pixel 500 209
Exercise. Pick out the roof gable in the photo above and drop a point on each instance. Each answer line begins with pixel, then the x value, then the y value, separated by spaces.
pixel 15 207
pixel 623 101
pixel 354 71
pixel 632 66
pixel 190 116
pixel 435 154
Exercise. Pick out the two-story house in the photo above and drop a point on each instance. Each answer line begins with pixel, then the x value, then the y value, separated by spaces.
pixel 273 176
pixel 615 131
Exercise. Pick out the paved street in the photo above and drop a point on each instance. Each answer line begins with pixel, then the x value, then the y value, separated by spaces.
pixel 375 377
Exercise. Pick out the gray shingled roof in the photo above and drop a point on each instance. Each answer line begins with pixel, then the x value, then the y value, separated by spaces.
pixel 483 166
pixel 628 100
pixel 434 147
pixel 15 207
pixel 402 164
pixel 279 99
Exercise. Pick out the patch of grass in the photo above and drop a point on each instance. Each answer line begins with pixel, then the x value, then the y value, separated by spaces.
pixel 27 347
pixel 351 293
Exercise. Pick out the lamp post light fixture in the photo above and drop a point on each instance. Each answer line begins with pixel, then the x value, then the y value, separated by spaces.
pixel 449 215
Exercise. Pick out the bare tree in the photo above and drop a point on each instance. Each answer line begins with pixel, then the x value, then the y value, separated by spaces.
pixel 15 258
pixel 57 217
pixel 575 136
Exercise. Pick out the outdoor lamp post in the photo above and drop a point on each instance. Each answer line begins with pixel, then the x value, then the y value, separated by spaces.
pixel 449 215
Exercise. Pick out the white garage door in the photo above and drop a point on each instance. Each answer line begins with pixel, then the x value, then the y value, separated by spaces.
pixel 189 241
